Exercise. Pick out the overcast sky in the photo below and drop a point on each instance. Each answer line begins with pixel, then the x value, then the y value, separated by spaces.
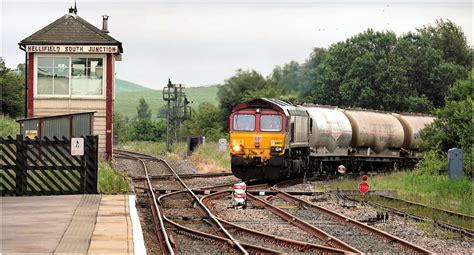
pixel 203 43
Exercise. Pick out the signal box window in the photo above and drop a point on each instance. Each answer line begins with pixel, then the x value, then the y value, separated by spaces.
pixel 66 76
pixel 53 76
pixel 86 76
pixel 244 122
pixel 270 123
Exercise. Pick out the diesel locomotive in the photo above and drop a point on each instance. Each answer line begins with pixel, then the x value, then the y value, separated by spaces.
pixel 271 139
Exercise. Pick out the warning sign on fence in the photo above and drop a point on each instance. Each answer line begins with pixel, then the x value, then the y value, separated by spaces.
pixel 77 146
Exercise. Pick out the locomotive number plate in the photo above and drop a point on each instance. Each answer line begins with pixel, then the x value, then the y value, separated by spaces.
pixel 257 139
pixel 276 143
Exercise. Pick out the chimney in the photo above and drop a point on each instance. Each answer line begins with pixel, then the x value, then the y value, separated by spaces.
pixel 105 18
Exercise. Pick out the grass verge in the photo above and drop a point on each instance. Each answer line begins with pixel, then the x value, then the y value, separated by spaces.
pixel 207 157
pixel 110 181
pixel 156 148
pixel 432 190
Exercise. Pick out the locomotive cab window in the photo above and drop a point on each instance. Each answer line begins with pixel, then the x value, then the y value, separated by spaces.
pixel 243 122
pixel 270 123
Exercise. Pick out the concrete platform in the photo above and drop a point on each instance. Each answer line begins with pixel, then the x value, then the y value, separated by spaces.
pixel 78 224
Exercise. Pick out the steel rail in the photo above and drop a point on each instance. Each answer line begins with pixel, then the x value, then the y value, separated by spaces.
pixel 347 220
pixel 303 225
pixel 459 215
pixel 133 153
pixel 447 226
pixel 183 176
pixel 298 245
pixel 157 209
pixel 234 241
pixel 211 215
pixel 153 204
pixel 254 248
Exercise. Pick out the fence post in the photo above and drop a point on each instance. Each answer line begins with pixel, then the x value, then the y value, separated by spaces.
pixel 21 164
pixel 92 164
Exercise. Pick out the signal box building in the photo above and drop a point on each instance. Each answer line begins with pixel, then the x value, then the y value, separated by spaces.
pixel 70 68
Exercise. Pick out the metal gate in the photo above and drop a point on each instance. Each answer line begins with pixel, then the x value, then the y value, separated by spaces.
pixel 46 167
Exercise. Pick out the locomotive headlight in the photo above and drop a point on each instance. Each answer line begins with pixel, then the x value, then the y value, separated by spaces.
pixel 236 148
pixel 276 149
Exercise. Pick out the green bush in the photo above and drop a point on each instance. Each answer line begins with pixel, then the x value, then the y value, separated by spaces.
pixel 148 130
pixel 206 121
pixel 110 181
pixel 451 129
pixel 8 127
pixel 433 163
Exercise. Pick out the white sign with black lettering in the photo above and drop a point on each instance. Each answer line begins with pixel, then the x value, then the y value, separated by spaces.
pixel 222 144
pixel 77 146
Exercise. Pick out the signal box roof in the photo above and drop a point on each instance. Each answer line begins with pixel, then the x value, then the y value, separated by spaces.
pixel 71 29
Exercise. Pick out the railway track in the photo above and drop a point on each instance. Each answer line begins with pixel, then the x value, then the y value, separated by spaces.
pixel 278 243
pixel 445 219
pixel 180 217
pixel 224 242
pixel 363 237
pixel 158 222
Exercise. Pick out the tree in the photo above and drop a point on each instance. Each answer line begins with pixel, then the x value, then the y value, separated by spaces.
pixel 381 71
pixel 120 126
pixel 148 130
pixel 449 38
pixel 236 88
pixel 143 111
pixel 310 72
pixel 12 88
pixel 453 126
pixel 288 78
pixel 206 122
pixel 21 69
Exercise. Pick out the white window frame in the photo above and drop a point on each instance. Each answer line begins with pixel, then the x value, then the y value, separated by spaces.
pixel 71 56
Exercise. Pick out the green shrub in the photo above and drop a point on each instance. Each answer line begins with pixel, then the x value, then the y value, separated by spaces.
pixel 110 181
pixel 148 130
pixel 8 127
pixel 433 163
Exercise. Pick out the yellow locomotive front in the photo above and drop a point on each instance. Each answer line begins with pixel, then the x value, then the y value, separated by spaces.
pixel 257 142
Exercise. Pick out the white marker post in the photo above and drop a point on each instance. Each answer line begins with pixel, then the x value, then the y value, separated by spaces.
pixel 239 196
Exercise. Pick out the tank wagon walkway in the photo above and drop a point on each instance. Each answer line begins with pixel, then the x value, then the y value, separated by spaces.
pixel 79 224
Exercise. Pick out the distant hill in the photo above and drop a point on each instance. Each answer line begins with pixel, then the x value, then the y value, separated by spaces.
pixel 126 86
pixel 126 101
